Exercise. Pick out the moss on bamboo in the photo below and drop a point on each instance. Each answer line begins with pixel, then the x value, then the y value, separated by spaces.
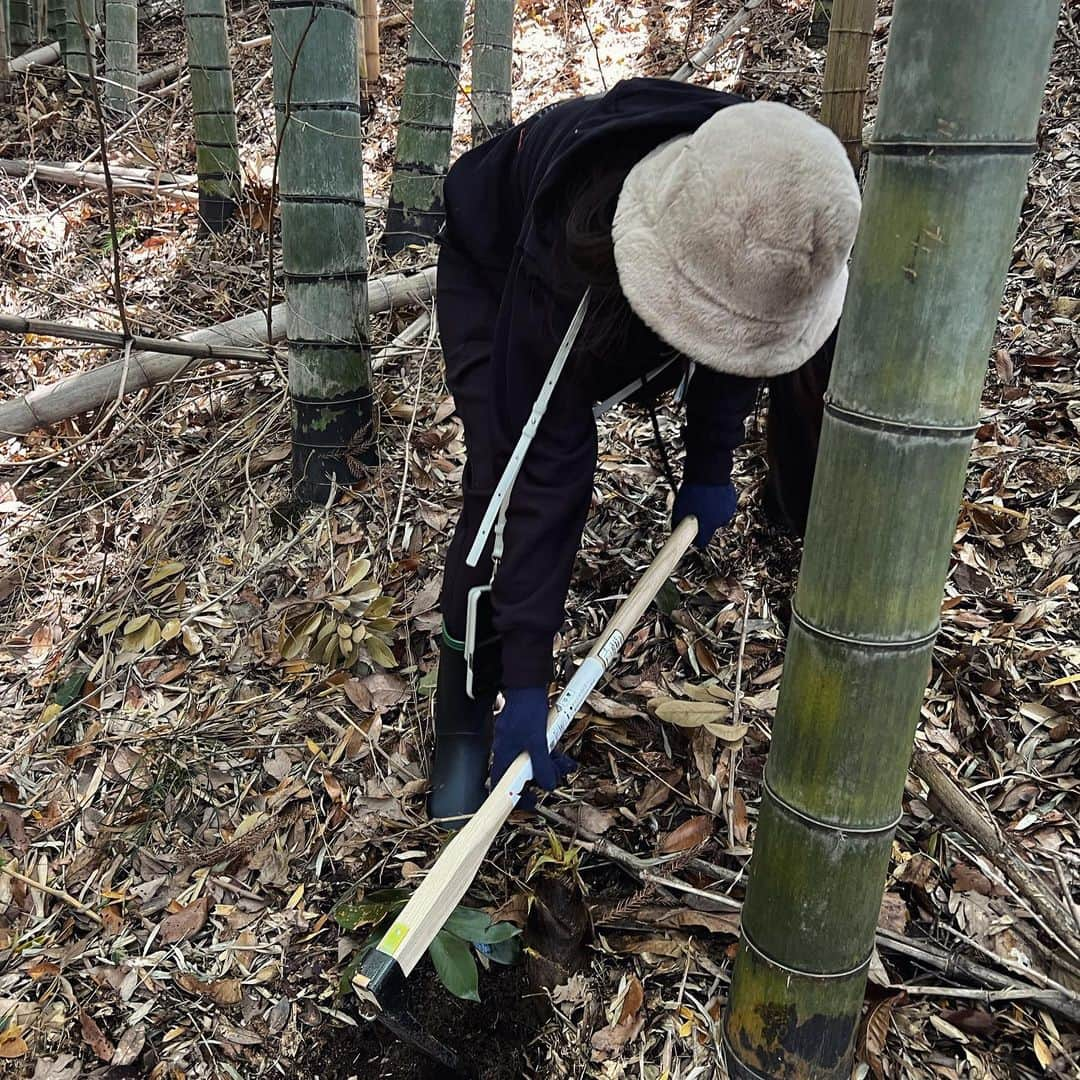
pixel 949 158
pixel 425 125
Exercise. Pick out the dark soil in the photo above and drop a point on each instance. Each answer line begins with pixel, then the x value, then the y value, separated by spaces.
pixel 491 1036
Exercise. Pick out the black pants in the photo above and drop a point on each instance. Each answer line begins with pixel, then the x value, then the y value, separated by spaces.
pixel 467 302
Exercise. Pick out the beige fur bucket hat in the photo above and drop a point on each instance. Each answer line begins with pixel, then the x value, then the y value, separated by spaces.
pixel 731 243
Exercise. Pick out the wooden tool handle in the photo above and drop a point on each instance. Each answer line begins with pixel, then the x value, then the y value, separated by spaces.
pixel 449 879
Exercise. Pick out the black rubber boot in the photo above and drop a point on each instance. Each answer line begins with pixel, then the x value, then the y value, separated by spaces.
pixel 462 744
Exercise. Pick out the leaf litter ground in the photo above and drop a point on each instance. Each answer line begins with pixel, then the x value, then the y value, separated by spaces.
pixel 187 795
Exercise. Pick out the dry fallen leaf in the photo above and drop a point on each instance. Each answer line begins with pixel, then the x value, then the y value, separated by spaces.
pixel 688 835
pixel 94 1037
pixel 186 922
pixel 219 991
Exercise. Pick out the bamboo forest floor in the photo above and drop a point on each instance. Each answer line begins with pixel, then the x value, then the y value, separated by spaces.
pixel 186 795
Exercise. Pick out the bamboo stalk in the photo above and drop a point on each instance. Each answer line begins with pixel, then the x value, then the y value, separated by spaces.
pixel 93 389
pixel 217 154
pixel 5 52
pixel 492 68
pixel 949 160
pixel 323 239
pixel 372 68
pixel 121 54
pixel 851 29
pixel 77 56
pixel 56 22
pixel 425 124
pixel 20 26
pixel 821 12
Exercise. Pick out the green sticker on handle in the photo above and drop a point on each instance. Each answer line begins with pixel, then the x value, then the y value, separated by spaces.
pixel 393 938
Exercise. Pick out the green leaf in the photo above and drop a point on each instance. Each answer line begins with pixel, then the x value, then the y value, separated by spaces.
pixel 502 952
pixel 69 690
pixel 455 966
pixel 477 927
pixel 373 907
pixel 668 598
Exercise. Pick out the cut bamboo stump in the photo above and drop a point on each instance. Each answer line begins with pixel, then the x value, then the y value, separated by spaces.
pixel 92 389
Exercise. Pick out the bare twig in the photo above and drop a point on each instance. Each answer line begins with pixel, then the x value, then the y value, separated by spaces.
pixel 110 200
pixel 59 894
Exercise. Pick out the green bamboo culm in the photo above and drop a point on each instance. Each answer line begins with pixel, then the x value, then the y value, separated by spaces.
pixel 425 124
pixel 820 17
pixel 217 156
pixel 844 87
pixel 323 240
pixel 492 67
pixel 56 23
pixel 77 58
pixel 20 26
pixel 5 54
pixel 948 165
pixel 121 54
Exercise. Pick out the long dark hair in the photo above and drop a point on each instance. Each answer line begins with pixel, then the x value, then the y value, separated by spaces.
pixel 796 399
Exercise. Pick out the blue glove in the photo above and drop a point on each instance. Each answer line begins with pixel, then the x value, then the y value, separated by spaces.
pixel 712 504
pixel 522 725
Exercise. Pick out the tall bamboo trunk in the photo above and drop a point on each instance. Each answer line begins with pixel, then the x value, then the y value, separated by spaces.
pixel 5 54
pixel 949 161
pixel 426 123
pixel 56 23
pixel 77 57
pixel 20 26
pixel 372 66
pixel 820 16
pixel 121 54
pixel 844 92
pixel 492 67
pixel 323 240
pixel 217 157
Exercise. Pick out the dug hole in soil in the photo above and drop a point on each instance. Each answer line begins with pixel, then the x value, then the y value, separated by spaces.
pixel 491 1036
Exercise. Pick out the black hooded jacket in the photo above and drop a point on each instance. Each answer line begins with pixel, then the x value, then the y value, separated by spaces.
pixel 505 216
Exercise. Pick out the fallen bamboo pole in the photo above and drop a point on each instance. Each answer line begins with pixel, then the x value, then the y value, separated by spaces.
pixel 123 177
pixel 39 57
pixel 92 389
pixel 165 74
pixel 16 324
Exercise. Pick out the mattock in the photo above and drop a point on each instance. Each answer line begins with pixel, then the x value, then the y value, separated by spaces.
pixel 380 983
